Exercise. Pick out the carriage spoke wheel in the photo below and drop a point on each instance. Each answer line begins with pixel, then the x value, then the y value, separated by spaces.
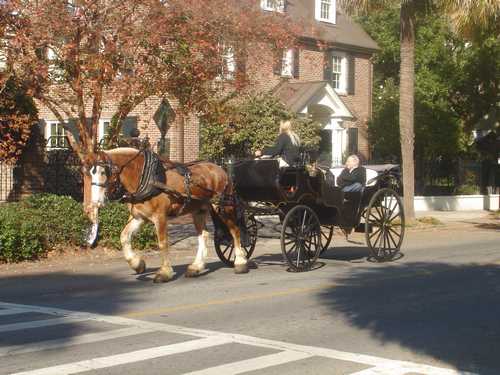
pixel 384 224
pixel 301 238
pixel 226 252
pixel 326 237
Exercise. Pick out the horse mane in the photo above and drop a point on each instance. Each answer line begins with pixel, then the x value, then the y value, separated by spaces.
pixel 122 150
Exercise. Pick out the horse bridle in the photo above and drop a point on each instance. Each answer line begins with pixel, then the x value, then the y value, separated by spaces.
pixel 112 171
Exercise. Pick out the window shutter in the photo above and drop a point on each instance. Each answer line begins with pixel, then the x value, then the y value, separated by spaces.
pixel 352 139
pixel 278 62
pixel 327 65
pixel 351 80
pixel 241 63
pixel 296 64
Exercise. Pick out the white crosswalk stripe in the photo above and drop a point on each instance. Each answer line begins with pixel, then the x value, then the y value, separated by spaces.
pixel 77 340
pixel 38 324
pixel 205 339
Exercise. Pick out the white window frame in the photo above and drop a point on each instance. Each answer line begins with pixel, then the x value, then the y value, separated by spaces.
pixel 228 63
pixel 332 11
pixel 343 74
pixel 287 63
pixel 48 135
pixel 273 5
pixel 100 131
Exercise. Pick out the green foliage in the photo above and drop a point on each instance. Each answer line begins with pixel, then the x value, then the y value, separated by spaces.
pixel 30 228
pixel 438 131
pixel 240 128
pixel 113 218
pixel 21 234
pixel 63 218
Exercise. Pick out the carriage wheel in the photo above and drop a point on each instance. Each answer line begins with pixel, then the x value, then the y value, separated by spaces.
pixel 301 238
pixel 226 252
pixel 326 237
pixel 384 224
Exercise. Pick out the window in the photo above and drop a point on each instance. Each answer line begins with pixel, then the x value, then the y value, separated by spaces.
pixel 273 5
pixel 228 67
pixel 287 63
pixel 326 10
pixel 56 136
pixel 339 72
pixel 104 130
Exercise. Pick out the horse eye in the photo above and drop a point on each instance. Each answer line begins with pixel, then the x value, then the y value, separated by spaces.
pixel 93 170
pixel 103 173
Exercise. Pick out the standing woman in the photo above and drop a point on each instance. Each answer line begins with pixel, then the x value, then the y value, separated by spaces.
pixel 286 148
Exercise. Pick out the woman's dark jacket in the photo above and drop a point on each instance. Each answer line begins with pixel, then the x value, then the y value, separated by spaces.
pixel 347 178
pixel 284 148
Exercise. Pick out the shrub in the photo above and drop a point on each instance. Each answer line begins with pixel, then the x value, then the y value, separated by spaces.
pixel 63 219
pixel 22 236
pixel 42 222
pixel 113 218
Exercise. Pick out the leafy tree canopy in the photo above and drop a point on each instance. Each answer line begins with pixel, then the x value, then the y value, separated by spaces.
pixel 17 116
pixel 239 128
pixel 456 85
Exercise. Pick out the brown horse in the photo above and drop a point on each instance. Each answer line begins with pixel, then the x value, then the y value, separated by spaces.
pixel 207 182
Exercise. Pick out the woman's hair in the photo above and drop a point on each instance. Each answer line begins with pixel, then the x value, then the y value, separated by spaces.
pixel 286 127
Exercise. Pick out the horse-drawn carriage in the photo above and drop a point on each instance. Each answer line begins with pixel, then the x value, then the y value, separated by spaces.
pixel 307 201
pixel 309 205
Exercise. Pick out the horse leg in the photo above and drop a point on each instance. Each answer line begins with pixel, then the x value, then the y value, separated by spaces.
pixel 198 266
pixel 240 261
pixel 135 262
pixel 166 272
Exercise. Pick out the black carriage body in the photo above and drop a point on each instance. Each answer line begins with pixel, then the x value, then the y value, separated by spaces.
pixel 263 181
pixel 311 205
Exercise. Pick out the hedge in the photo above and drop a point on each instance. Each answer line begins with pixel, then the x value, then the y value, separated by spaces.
pixel 38 224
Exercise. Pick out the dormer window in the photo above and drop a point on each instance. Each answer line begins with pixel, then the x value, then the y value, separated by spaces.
pixel 273 5
pixel 326 10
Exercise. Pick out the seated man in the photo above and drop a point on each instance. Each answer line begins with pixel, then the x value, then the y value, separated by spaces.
pixel 353 177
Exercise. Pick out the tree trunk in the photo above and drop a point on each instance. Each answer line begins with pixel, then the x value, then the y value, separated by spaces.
pixel 406 106
pixel 87 189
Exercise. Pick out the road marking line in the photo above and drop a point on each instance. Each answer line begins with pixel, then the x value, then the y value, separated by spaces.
pixel 229 301
pixel 125 358
pixel 247 340
pixel 414 369
pixel 253 364
pixel 39 323
pixel 12 312
pixel 71 341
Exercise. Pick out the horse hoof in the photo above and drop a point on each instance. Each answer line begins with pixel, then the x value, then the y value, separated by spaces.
pixel 241 268
pixel 141 268
pixel 194 271
pixel 161 278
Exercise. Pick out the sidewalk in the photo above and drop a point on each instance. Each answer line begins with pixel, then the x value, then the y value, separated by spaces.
pixel 456 216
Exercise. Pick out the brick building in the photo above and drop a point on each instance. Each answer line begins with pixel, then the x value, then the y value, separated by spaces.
pixel 332 84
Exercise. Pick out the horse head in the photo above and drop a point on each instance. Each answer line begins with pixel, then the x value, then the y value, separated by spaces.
pixel 105 174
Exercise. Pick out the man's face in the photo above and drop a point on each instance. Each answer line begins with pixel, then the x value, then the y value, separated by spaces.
pixel 350 163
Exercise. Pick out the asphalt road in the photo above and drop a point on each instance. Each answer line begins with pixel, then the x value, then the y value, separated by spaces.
pixel 436 310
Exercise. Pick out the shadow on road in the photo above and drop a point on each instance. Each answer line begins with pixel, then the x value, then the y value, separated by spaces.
pixel 449 312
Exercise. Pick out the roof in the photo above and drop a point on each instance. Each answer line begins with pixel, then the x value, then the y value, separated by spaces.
pixel 345 32
pixel 298 95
